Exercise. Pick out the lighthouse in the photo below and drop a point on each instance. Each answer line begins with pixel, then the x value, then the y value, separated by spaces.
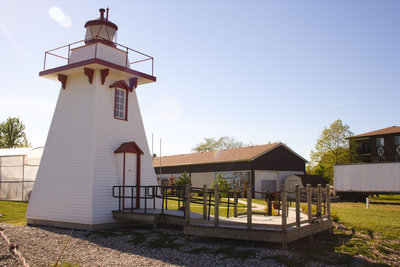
pixel 96 139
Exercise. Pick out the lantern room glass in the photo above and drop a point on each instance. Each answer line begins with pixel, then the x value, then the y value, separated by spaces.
pixel 100 32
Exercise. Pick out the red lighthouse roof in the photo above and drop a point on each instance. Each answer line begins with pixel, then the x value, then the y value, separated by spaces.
pixel 100 30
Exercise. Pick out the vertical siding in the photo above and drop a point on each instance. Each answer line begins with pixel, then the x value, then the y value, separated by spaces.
pixel 104 52
pixel 82 53
pixel 61 191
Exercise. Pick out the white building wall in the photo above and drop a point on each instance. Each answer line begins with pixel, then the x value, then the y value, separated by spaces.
pixel 202 178
pixel 62 188
pixel 110 134
pixel 278 176
pixel 370 177
pixel 104 52
pixel 18 169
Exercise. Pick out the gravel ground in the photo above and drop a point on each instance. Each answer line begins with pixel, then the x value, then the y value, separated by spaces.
pixel 42 246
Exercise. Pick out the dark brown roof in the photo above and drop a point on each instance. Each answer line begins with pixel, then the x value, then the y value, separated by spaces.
pixel 219 156
pixel 313 180
pixel 388 130
pixel 129 147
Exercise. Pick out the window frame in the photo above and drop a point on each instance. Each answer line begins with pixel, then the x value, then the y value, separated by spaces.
pixel 125 92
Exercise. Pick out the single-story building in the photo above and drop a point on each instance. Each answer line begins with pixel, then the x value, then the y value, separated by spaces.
pixel 265 167
pixel 18 169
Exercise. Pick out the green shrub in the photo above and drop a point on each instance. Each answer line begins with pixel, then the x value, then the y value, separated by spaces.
pixel 223 185
pixel 183 180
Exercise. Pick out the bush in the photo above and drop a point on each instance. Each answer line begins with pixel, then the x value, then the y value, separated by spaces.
pixel 183 180
pixel 223 185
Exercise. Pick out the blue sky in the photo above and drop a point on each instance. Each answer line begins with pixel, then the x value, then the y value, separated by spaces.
pixel 258 71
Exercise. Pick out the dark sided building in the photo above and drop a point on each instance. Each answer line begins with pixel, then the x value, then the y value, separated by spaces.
pixel 378 146
pixel 265 167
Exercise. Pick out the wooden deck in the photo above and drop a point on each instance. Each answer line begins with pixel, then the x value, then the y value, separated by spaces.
pixel 292 225
pixel 263 228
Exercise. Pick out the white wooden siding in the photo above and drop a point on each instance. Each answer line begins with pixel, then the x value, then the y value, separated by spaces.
pixel 79 166
pixel 110 134
pixel 62 188
pixel 104 52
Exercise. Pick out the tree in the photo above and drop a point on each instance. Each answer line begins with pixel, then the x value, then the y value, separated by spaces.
pixel 183 180
pixel 332 148
pixel 12 133
pixel 222 183
pixel 224 142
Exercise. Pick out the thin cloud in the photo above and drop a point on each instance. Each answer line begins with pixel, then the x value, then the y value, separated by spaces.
pixel 58 15
pixel 337 105
pixel 248 41
pixel 10 39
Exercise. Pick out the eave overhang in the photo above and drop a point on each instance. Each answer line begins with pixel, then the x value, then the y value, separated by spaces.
pixel 95 63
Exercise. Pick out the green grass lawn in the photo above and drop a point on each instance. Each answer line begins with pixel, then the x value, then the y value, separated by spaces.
pixel 395 198
pixel 373 233
pixel 13 212
pixel 384 219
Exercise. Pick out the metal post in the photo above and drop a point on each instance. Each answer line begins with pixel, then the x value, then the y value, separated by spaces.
pixel 145 199
pixel 216 206
pixel 154 196
pixel 309 203
pixel 328 200
pixel 132 200
pixel 23 177
pixel 126 58
pixel 249 211
pixel 162 195
pixel 235 202
pixel 367 202
pixel 284 218
pixel 205 202
pixel 69 49
pixel 209 205
pixel 297 205
pixel 119 198
pixel 319 201
pixel 187 204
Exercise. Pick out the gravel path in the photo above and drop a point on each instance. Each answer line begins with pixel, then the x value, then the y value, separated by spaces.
pixel 42 246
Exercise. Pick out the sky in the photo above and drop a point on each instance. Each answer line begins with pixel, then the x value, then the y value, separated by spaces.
pixel 258 71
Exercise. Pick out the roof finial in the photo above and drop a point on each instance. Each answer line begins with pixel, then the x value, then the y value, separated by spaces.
pixel 102 10
pixel 107 14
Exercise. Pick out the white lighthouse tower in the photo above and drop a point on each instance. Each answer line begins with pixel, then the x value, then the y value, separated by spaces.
pixel 96 138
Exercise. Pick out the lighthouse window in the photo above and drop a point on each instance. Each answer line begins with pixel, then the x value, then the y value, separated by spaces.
pixel 120 104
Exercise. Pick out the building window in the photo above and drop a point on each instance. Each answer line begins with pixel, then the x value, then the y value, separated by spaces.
pixel 365 148
pixel 238 179
pixel 120 105
pixel 380 151
pixel 397 147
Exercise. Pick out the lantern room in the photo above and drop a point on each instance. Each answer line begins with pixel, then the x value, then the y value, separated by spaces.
pixel 100 30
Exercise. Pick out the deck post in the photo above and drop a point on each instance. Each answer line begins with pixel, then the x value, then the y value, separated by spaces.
pixel 297 205
pixel 216 206
pixel 309 203
pixel 235 201
pixel 205 202
pixel 249 219
pixel 283 195
pixel 187 204
pixel 319 201
pixel 328 200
